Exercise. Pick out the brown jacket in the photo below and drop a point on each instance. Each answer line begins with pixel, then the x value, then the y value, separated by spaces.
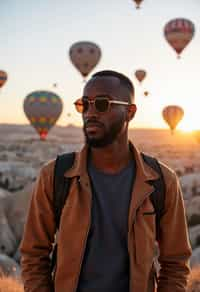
pixel 75 223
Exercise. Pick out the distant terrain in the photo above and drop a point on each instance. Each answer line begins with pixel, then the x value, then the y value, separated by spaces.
pixel 179 151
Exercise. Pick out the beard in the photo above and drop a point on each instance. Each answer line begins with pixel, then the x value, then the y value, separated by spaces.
pixel 109 136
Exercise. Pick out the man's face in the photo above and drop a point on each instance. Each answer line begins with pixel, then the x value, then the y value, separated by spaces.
pixel 102 129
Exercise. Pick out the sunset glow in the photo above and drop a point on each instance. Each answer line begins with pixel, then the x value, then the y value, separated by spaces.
pixel 36 57
pixel 187 126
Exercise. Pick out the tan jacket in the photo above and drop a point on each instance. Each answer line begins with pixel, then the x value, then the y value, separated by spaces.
pixel 75 224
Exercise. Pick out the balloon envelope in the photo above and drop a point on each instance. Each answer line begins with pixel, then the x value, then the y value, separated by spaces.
pixel 85 56
pixel 172 114
pixel 3 77
pixel 140 74
pixel 178 33
pixel 138 2
pixel 42 109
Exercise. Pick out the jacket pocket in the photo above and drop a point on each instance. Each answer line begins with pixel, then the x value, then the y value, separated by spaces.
pixel 149 212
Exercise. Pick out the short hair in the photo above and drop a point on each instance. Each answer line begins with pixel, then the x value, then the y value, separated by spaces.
pixel 124 80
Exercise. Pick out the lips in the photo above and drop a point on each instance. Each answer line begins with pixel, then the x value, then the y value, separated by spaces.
pixel 93 127
pixel 90 124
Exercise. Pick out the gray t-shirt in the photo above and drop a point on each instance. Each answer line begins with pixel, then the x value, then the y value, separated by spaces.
pixel 105 266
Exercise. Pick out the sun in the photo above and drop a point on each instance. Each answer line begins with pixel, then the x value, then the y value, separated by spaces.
pixel 186 129
pixel 186 126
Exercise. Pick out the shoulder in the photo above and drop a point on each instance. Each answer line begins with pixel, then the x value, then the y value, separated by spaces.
pixel 48 167
pixel 167 171
pixel 46 173
pixel 170 177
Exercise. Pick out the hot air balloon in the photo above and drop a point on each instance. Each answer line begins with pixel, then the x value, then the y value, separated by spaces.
pixel 178 33
pixel 146 93
pixel 42 109
pixel 85 56
pixel 138 2
pixel 140 74
pixel 172 114
pixel 3 77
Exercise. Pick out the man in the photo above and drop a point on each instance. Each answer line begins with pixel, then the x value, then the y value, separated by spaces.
pixel 107 228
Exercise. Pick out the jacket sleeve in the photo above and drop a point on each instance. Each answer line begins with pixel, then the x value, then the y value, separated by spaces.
pixel 38 235
pixel 174 245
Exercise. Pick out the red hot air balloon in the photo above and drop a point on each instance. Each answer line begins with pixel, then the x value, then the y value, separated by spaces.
pixel 172 114
pixel 140 74
pixel 42 109
pixel 3 77
pixel 178 33
pixel 85 56
pixel 138 2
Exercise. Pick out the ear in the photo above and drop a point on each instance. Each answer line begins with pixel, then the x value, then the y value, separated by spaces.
pixel 131 111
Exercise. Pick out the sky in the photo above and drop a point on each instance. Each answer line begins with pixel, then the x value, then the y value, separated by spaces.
pixel 35 37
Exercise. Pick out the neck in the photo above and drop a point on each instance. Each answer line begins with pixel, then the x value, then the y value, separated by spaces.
pixel 111 158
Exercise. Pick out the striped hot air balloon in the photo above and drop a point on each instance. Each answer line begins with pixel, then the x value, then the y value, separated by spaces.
pixel 172 114
pixel 85 56
pixel 42 108
pixel 3 77
pixel 178 33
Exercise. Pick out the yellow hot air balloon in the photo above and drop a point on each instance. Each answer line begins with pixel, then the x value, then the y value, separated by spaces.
pixel 85 56
pixel 138 2
pixel 178 33
pixel 140 74
pixel 42 108
pixel 172 114
pixel 3 77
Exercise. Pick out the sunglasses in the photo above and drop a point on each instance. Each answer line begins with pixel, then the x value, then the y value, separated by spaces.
pixel 101 103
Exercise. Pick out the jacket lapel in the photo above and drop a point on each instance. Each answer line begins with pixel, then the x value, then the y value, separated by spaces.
pixel 141 188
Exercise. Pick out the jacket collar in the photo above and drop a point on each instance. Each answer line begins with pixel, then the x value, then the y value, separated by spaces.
pixel 144 171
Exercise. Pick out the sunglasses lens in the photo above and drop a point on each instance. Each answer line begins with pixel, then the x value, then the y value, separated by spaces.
pixel 101 105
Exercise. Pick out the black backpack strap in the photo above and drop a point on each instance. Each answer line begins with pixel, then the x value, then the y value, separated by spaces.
pixel 61 183
pixel 61 187
pixel 158 196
